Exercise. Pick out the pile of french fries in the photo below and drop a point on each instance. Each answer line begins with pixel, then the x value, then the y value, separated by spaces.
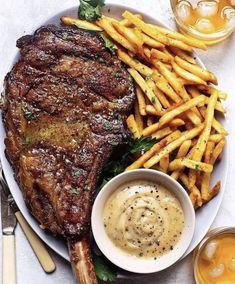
pixel 176 102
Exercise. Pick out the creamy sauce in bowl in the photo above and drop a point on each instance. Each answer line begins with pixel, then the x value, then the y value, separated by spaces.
pixel 144 219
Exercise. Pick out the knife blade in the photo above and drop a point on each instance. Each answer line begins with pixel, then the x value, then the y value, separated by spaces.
pixel 8 240
pixel 37 245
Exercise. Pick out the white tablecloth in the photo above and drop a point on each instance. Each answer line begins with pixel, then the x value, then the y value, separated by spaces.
pixel 19 17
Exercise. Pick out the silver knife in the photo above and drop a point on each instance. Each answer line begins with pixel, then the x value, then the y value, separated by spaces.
pixel 37 245
pixel 8 240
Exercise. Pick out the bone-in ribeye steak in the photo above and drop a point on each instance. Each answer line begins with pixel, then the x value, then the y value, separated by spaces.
pixel 66 101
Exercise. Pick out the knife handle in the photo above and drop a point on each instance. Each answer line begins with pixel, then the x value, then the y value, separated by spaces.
pixel 37 245
pixel 9 259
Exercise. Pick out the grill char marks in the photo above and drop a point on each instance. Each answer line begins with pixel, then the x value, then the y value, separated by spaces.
pixel 66 102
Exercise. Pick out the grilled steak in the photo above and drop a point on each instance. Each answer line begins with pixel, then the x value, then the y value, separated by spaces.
pixel 66 102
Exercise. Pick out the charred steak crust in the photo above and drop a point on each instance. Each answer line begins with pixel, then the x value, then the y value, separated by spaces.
pixel 66 102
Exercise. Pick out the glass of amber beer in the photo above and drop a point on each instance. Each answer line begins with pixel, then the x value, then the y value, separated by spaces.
pixel 208 20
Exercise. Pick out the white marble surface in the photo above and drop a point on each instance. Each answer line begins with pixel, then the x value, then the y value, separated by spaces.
pixel 18 17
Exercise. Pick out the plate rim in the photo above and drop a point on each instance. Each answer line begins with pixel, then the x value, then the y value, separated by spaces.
pixel 33 223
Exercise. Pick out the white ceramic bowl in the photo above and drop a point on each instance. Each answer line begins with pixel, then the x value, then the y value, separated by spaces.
pixel 132 263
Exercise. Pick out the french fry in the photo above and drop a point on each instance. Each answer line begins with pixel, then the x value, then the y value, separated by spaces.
pixel 147 53
pixel 205 185
pixel 160 55
pixel 209 89
pixel 193 117
pixel 203 139
pixel 139 119
pixel 182 108
pixel 146 89
pixel 152 32
pixel 162 98
pixel 150 129
pixel 162 133
pixel 157 147
pixel 217 151
pixel 179 164
pixel 196 70
pixel 194 92
pixel 172 79
pixel 172 146
pixel 132 126
pixel 182 152
pixel 186 39
pixel 130 36
pixel 152 42
pixel 176 122
pixel 164 163
pixel 141 101
pixel 216 138
pixel 182 54
pixel 82 24
pixel 134 63
pixel 165 87
pixel 195 194
pixel 218 127
pixel 187 75
pixel 152 111
pixel 109 29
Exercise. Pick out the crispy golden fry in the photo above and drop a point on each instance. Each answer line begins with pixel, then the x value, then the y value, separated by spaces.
pixel 186 39
pixel 217 151
pixel 209 89
pixel 165 87
pixel 164 163
pixel 157 147
pixel 162 133
pixel 172 79
pixel 195 194
pixel 162 98
pixel 134 63
pixel 130 35
pixel 203 139
pixel 219 127
pixel 139 119
pixel 205 184
pixel 216 138
pixel 172 146
pixel 132 126
pixel 147 53
pixel 82 24
pixel 141 101
pixel 152 32
pixel 187 75
pixel 182 108
pixel 152 111
pixel 193 117
pixel 152 42
pixel 195 93
pixel 150 129
pixel 196 70
pixel 182 54
pixel 160 55
pixel 182 152
pixel 110 30
pixel 179 164
pixel 176 122
pixel 146 89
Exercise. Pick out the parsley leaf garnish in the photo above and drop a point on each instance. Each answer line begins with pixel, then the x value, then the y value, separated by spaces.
pixel 109 44
pixel 141 144
pixel 28 115
pixel 73 190
pixel 103 270
pixel 90 10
